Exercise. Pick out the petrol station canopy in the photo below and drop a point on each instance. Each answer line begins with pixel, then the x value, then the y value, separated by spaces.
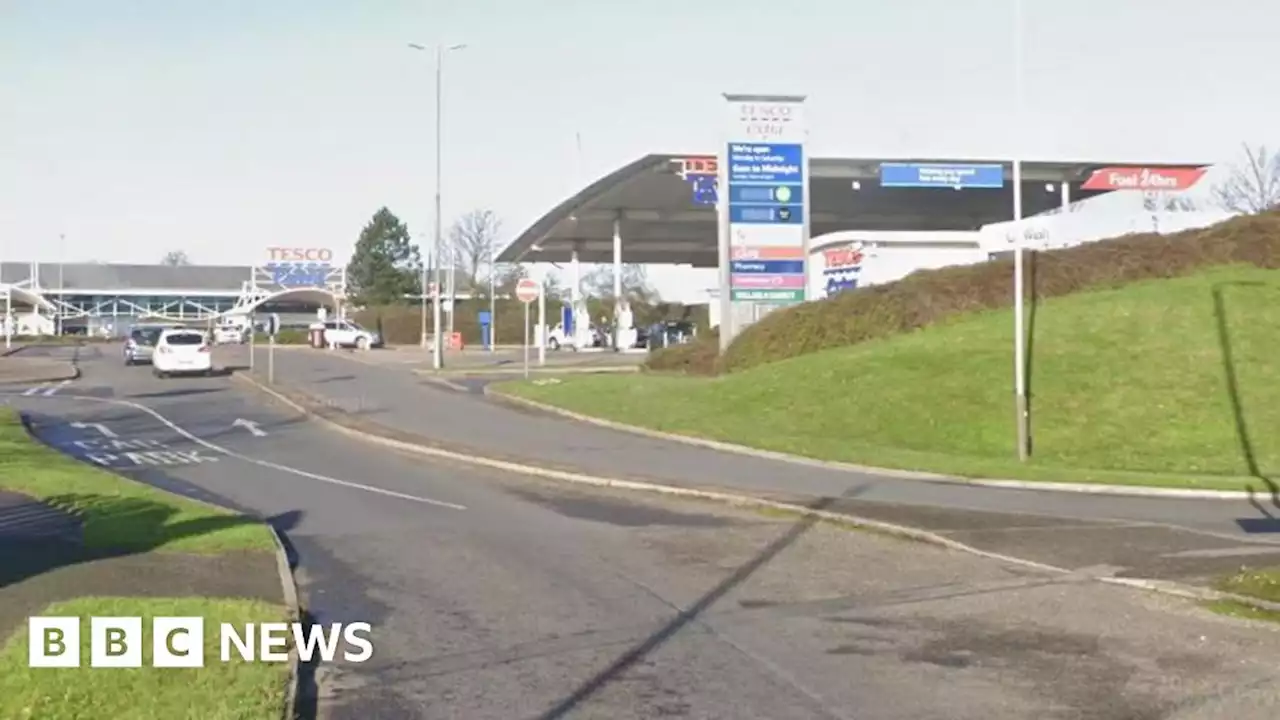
pixel 664 204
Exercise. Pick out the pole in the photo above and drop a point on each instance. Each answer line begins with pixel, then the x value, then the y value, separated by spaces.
pixel 57 308
pixel 542 320
pixel 493 299
pixel 437 351
pixel 422 337
pixel 1019 326
pixel 253 333
pixel 271 360
pixel 526 340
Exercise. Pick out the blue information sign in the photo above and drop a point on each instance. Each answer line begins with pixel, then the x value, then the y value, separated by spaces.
pixel 755 163
pixel 768 267
pixel 768 214
pixel 942 175
pixel 299 275
pixel 778 194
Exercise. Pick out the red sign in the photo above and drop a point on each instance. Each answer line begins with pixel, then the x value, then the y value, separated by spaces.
pixel 847 256
pixel 1143 178
pixel 296 254
pixel 527 290
pixel 696 166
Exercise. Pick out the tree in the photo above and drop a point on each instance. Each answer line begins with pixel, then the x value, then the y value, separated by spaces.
pixel 598 282
pixel 474 238
pixel 1254 186
pixel 175 258
pixel 385 265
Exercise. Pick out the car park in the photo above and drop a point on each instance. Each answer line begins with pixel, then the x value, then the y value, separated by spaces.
pixel 182 351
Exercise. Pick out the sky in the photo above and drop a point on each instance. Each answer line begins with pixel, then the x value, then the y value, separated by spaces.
pixel 135 127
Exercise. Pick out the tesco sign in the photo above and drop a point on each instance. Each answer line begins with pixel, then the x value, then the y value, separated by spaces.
pixel 299 254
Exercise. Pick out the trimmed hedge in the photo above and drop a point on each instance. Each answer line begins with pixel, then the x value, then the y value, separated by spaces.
pixel 929 296
pixel 696 357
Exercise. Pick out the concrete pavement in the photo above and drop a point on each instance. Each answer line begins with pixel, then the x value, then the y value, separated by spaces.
pixel 497 596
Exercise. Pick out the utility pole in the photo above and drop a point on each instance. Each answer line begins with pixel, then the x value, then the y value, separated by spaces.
pixel 437 350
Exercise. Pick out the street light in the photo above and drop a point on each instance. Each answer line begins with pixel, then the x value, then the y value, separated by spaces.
pixel 437 350
pixel 1019 327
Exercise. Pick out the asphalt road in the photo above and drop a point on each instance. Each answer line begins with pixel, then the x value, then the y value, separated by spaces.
pixel 497 596
pixel 396 398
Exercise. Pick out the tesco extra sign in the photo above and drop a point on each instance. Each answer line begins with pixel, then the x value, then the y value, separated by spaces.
pixel 300 254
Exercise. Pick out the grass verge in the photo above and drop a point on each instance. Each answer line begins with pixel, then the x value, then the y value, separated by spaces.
pixel 219 691
pixel 117 512
pixel 1263 584
pixel 1161 383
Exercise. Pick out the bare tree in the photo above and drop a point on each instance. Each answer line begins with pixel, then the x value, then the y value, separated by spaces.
pixel 174 258
pixel 474 239
pixel 1254 185
pixel 598 282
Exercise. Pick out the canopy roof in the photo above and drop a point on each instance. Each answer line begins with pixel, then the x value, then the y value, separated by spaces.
pixel 661 223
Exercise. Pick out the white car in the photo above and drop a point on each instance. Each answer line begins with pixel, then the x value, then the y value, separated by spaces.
pixel 344 333
pixel 182 352
pixel 228 335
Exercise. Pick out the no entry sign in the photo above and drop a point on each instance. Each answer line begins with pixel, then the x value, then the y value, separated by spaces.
pixel 527 291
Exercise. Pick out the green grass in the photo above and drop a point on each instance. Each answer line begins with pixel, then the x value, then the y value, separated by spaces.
pixel 1263 584
pixel 1138 385
pixel 117 512
pixel 219 691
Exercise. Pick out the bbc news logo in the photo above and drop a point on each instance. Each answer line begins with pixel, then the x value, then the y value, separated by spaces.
pixel 178 642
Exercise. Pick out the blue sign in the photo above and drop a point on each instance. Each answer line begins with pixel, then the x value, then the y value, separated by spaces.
pixel 755 163
pixel 704 189
pixel 299 275
pixel 772 215
pixel 766 194
pixel 768 267
pixel 946 175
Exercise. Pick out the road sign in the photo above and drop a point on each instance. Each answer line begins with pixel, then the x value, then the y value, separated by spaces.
pixel 766 211
pixel 527 291
pixel 1143 178
pixel 941 175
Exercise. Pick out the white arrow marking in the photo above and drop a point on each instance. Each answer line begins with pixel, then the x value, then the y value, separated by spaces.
pixel 96 426
pixel 249 425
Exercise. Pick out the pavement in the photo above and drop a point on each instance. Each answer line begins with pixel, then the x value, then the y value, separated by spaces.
pixel 496 595
pixel 40 365
pixel 504 360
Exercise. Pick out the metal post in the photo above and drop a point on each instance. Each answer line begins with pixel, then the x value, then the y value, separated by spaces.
pixel 542 320
pixel 57 307
pixel 1019 326
pixel 437 351
pixel 253 333
pixel 617 283
pixel 526 340
pixel 493 299
pixel 422 337
pixel 271 360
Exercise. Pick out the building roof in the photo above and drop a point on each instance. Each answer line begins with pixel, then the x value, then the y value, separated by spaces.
pixel 112 277
pixel 661 223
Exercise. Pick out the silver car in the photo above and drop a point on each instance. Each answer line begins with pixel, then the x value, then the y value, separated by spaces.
pixel 141 345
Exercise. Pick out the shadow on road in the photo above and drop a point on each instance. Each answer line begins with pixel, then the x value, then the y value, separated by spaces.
pixel 1269 522
pixel 637 653
pixel 180 392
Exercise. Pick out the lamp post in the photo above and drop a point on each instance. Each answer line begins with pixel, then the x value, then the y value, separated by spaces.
pixel 1019 326
pixel 493 298
pixel 57 308
pixel 422 284
pixel 437 350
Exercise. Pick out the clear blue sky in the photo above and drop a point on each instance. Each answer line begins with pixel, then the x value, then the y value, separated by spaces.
pixel 135 127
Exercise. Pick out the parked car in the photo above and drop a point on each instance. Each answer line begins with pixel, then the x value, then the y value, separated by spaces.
pixel 229 335
pixel 182 351
pixel 141 343
pixel 345 333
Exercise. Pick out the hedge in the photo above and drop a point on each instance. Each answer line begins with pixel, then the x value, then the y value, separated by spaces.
pixel 929 296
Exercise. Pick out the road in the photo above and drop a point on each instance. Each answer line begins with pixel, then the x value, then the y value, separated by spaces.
pixel 499 596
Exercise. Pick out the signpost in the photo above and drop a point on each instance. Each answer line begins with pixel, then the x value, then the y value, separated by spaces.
pixel 273 327
pixel 526 292
pixel 941 175
pixel 763 199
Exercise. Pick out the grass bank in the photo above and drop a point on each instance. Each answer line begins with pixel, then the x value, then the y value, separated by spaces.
pixel 116 512
pixel 1163 382
pixel 219 691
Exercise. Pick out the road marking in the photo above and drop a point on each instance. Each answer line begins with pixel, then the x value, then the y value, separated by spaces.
pixel 266 463
pixel 249 425
pixel 56 388
pixel 96 426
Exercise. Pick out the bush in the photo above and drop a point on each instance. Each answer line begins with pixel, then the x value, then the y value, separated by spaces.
pixel 929 296
pixel 697 357
pixel 292 336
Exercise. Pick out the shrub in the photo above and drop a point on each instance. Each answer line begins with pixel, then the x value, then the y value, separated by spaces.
pixel 699 356
pixel 929 296
pixel 292 336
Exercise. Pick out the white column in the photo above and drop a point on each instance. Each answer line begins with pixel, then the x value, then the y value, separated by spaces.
pixel 1066 196
pixel 542 317
pixel 617 283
